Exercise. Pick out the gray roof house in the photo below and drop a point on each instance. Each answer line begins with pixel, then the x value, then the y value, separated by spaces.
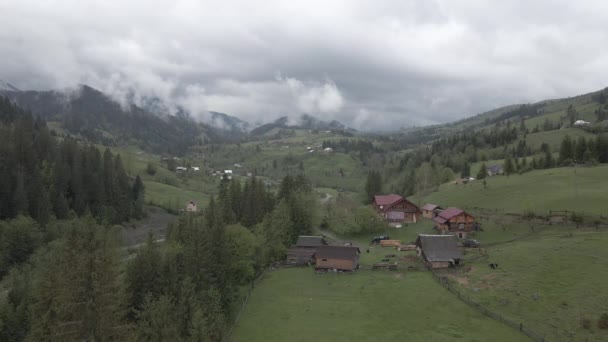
pixel 439 251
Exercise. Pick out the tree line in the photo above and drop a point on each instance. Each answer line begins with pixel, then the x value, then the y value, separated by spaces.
pixel 44 177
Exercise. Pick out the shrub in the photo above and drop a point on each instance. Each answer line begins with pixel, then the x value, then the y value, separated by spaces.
pixel 602 323
pixel 151 169
pixel 586 323
pixel 577 218
pixel 528 215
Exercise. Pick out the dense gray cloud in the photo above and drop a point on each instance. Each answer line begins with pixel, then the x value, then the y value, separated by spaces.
pixel 372 64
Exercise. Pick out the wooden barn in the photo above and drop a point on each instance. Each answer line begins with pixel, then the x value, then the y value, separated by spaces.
pixel 396 209
pixel 456 221
pixel 439 251
pixel 337 257
pixel 431 210
pixel 302 253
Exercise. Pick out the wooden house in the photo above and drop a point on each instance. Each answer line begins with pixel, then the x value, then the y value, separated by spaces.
pixel 439 251
pixel 302 253
pixel 494 170
pixel 192 207
pixel 456 221
pixel 431 210
pixel 337 257
pixel 396 209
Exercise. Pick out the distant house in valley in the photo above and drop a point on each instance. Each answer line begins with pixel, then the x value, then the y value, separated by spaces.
pixel 337 257
pixel 192 207
pixel 495 170
pixel 439 251
pixel 196 168
pixel 431 210
pixel 228 174
pixel 328 149
pixel 582 123
pixel 456 221
pixel 396 209
pixel 302 253
pixel 181 169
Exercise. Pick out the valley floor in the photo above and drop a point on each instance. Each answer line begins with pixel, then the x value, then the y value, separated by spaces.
pixel 298 305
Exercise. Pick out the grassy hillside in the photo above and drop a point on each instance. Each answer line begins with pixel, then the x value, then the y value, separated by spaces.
pixel 551 281
pixel 299 305
pixel 580 189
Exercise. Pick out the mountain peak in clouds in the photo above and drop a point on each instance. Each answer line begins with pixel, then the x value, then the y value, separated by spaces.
pixel 228 122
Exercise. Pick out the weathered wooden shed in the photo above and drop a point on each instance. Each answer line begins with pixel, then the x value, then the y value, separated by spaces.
pixel 431 210
pixel 302 253
pixel 439 251
pixel 337 257
pixel 456 221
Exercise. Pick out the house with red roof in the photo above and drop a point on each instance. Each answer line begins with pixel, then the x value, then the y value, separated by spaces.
pixel 455 221
pixel 396 209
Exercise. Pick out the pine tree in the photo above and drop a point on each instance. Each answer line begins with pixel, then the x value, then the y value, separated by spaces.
pixel 509 168
pixel 466 170
pixel 483 171
pixel 137 198
pixel 566 152
pixel 579 151
pixel 143 275
pixel 373 186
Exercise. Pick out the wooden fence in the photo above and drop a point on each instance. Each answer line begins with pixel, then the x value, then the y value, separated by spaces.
pixel 254 282
pixel 535 336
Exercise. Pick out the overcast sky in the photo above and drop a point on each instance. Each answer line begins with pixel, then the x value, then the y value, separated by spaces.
pixel 370 64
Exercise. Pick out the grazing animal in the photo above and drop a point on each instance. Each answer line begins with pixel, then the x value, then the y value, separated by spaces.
pixel 493 266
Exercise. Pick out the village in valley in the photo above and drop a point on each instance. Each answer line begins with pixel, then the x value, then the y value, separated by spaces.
pixel 292 171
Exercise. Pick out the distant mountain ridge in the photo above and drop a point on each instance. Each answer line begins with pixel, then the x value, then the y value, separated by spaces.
pixel 91 114
pixel 305 121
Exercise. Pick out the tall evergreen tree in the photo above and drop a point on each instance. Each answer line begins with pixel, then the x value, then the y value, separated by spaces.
pixel 373 186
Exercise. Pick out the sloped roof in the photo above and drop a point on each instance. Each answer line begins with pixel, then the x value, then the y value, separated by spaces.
pixel 430 206
pixel 450 212
pixel 310 241
pixel 337 252
pixel 494 168
pixel 439 247
pixel 386 199
pixel 440 219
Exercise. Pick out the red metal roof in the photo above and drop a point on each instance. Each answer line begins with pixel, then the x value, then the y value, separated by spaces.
pixel 450 212
pixel 440 220
pixel 387 199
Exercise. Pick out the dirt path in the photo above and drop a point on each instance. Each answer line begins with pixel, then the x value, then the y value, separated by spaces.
pixel 157 222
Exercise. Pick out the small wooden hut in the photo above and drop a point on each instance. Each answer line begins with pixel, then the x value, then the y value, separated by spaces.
pixel 439 251
pixel 337 257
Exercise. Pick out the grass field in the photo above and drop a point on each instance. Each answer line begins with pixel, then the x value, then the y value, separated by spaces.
pixel 299 305
pixel 551 281
pixel 581 189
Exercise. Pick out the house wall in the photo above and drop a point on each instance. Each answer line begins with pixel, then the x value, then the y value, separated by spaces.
pixel 340 264
pixel 402 212
pixel 428 214
pixel 438 264
pixel 466 220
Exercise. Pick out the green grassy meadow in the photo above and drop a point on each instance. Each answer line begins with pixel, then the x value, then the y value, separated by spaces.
pixel 298 305
pixel 551 281
pixel 580 189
